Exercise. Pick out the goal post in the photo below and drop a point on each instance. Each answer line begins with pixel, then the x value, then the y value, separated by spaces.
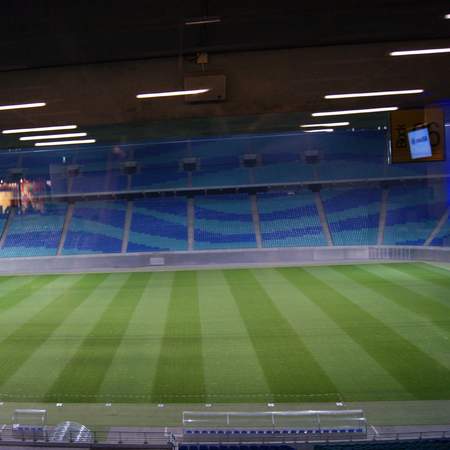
pixel 30 417
pixel 348 419
pixel 29 423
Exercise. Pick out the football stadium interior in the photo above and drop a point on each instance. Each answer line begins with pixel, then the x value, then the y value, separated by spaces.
pixel 225 226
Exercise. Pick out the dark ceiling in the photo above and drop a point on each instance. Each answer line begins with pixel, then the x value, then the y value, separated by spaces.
pixel 88 59
pixel 47 33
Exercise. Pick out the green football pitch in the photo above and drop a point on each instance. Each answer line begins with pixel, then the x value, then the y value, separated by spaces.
pixel 310 334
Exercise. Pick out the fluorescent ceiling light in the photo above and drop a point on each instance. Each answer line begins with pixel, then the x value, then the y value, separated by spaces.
pixel 74 142
pixel 447 16
pixel 172 93
pixel 202 21
pixel 428 51
pixel 33 130
pixel 321 130
pixel 331 124
pixel 354 111
pixel 22 106
pixel 52 136
pixel 375 94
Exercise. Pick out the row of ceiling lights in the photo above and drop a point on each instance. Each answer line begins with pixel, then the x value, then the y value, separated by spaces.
pixel 45 137
pixel 58 142
pixel 321 127
pixel 325 127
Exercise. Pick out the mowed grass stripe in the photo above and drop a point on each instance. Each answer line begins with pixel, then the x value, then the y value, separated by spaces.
pixel 227 346
pixel 421 375
pixel 356 374
pixel 21 288
pixel 288 365
pixel 429 286
pixel 428 273
pixel 425 306
pixel 179 374
pixel 132 372
pixel 33 333
pixel 413 276
pixel 37 374
pixel 418 330
pixel 13 318
pixel 81 378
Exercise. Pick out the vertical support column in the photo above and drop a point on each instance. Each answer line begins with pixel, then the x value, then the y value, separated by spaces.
pixel 256 223
pixel 442 221
pixel 251 175
pixel 129 181
pixel 383 213
pixel 323 219
pixel 126 227
pixel 189 179
pixel 12 213
pixel 66 225
pixel 69 184
pixel 190 223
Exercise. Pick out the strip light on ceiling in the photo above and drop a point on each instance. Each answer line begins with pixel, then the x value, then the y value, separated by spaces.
pixel 74 142
pixel 52 136
pixel 22 106
pixel 321 130
pixel 202 21
pixel 375 94
pixel 34 130
pixel 331 124
pixel 355 111
pixel 428 51
pixel 172 93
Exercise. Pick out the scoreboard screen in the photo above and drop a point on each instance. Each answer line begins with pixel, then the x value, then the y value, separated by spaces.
pixel 419 143
pixel 417 135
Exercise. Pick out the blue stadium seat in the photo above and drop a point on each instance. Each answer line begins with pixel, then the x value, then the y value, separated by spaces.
pixel 289 220
pixel 35 232
pixel 158 224
pixel 352 214
pixel 223 221
pixel 96 227
pixel 413 211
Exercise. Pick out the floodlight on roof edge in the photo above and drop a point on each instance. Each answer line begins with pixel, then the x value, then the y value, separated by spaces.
pixel 447 16
pixel 36 130
pixel 374 94
pixel 74 142
pixel 172 93
pixel 355 111
pixel 427 51
pixel 22 106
